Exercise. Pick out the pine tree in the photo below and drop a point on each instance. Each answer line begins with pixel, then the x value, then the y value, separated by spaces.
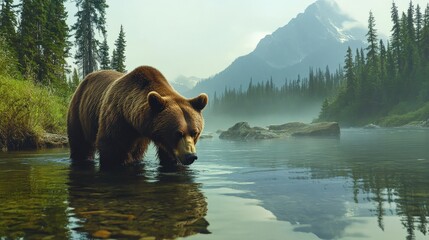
pixel 113 63
pixel 425 36
pixel 410 23
pixel 56 45
pixel 419 24
pixel 372 41
pixel 104 55
pixel 31 37
pixel 8 25
pixel 90 17
pixel 350 76
pixel 118 57
pixel 370 82
pixel 383 61
pixel 396 35
pixel 75 80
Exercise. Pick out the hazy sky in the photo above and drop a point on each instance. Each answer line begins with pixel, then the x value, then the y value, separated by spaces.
pixel 202 37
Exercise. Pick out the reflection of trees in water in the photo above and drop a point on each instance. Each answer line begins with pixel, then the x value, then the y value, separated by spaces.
pixel 406 188
pixel 33 201
pixel 130 206
pixel 385 177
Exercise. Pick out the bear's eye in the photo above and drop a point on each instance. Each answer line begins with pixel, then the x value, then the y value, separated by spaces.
pixel 193 134
pixel 179 134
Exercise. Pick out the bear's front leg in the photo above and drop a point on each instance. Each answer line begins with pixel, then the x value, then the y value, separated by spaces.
pixel 139 148
pixel 165 159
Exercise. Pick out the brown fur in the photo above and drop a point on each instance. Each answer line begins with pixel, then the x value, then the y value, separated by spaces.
pixel 120 114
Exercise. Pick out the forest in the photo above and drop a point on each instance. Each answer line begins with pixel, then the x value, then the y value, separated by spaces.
pixel 385 83
pixel 36 81
pixel 264 98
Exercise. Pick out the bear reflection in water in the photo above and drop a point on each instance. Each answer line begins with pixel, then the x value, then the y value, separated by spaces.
pixel 126 205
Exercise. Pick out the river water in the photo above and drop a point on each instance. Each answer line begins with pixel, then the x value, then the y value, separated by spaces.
pixel 366 184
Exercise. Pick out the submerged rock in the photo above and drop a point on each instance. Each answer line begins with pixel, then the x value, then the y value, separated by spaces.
pixel 426 124
pixel 51 140
pixel 318 129
pixel 416 124
pixel 243 131
pixel 102 234
pixel 371 126
pixel 302 129
pixel 206 135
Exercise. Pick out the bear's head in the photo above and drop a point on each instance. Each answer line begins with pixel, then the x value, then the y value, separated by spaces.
pixel 177 125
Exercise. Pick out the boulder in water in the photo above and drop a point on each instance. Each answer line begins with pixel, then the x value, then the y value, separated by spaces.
pixel 243 131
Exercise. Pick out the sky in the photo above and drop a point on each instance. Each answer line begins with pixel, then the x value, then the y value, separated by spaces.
pixel 202 37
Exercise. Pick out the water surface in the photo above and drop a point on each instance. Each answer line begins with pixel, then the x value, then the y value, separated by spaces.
pixel 367 184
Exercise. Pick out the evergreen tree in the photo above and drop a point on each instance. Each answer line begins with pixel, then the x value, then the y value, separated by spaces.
pixel 419 23
pixel 118 57
pixel 410 23
pixel 391 70
pixel 372 49
pixel 31 37
pixel 42 42
pixel 56 45
pixel 350 76
pixel 75 80
pixel 396 35
pixel 113 63
pixel 425 36
pixel 90 17
pixel 8 24
pixel 370 82
pixel 391 78
pixel 104 55
pixel 383 61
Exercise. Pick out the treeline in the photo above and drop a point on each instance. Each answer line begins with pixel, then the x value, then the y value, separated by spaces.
pixel 37 37
pixel 386 78
pixel 266 98
pixel 34 47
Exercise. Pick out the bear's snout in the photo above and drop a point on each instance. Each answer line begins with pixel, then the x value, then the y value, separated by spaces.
pixel 189 158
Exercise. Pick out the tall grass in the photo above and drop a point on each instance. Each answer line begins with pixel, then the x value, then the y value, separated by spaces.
pixel 26 110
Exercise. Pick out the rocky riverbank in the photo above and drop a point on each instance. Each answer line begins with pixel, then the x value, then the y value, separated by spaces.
pixel 46 140
pixel 243 131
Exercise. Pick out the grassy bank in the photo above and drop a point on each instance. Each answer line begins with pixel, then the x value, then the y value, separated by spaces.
pixel 400 118
pixel 26 112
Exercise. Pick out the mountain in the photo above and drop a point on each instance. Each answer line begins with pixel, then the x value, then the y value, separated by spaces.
pixel 184 84
pixel 317 38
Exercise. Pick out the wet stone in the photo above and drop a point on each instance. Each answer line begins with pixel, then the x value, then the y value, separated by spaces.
pixel 130 233
pixel 148 238
pixel 102 234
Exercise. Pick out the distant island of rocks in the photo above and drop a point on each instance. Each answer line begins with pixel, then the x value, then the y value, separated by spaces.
pixel 243 131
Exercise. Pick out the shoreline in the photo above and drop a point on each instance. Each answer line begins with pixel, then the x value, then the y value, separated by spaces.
pixel 45 141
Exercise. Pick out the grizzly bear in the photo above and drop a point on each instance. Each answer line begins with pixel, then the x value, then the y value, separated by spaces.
pixel 120 114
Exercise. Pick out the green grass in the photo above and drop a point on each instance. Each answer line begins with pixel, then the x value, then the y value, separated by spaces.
pixel 26 112
pixel 394 120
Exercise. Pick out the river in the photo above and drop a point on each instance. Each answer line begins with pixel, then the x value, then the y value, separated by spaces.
pixel 366 184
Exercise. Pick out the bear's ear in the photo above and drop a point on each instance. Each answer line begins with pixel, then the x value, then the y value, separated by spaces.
pixel 156 102
pixel 200 102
